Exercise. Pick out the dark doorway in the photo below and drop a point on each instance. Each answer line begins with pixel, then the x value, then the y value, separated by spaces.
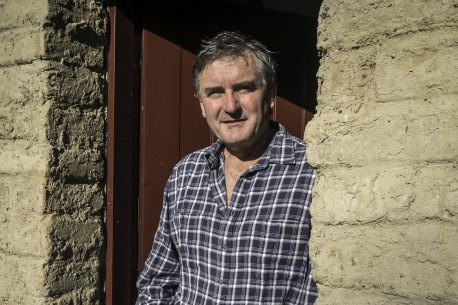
pixel 291 36
pixel 165 37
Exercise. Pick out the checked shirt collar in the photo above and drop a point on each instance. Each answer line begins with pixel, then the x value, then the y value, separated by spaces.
pixel 280 151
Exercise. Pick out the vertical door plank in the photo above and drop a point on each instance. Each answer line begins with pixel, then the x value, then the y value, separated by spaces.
pixel 159 131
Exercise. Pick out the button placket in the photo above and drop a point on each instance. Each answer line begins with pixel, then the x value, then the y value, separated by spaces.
pixel 222 250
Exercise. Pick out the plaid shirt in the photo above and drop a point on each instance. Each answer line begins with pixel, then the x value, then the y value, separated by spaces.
pixel 255 251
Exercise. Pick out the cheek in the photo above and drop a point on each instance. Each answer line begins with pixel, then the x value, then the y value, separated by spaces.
pixel 251 103
pixel 210 110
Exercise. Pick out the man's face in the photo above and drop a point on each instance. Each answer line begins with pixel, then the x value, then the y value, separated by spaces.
pixel 232 102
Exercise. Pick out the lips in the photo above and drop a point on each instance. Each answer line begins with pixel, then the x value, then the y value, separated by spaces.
pixel 233 121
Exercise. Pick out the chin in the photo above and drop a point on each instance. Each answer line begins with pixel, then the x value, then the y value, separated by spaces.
pixel 235 142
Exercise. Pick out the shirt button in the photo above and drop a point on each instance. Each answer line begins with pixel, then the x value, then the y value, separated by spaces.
pixel 181 217
pixel 220 281
pixel 224 246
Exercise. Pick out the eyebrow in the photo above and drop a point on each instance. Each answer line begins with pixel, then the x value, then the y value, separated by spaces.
pixel 243 85
pixel 212 89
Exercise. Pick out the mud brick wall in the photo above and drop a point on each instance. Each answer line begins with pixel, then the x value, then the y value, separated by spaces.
pixel 384 142
pixel 52 150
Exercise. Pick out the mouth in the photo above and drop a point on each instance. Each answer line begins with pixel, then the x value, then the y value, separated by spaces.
pixel 233 122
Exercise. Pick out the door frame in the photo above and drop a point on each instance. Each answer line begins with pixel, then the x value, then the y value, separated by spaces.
pixel 122 155
pixel 122 169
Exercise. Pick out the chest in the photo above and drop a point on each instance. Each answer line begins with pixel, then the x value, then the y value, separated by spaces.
pixel 267 215
pixel 271 190
pixel 232 175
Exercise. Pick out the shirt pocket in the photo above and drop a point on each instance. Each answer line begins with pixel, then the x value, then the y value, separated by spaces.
pixel 282 248
pixel 278 237
pixel 265 242
pixel 194 236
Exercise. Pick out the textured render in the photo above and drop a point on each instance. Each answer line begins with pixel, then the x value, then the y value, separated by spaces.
pixel 52 147
pixel 384 142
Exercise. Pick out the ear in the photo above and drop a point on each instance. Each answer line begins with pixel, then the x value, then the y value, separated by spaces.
pixel 272 103
pixel 273 99
pixel 202 108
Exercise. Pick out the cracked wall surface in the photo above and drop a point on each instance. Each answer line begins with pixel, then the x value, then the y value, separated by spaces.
pixel 52 150
pixel 384 212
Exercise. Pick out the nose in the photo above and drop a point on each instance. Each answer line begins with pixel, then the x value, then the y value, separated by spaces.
pixel 231 103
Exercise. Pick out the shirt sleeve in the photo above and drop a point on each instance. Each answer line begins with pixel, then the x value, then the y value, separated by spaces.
pixel 158 283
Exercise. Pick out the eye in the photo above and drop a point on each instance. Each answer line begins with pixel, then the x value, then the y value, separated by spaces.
pixel 245 88
pixel 214 93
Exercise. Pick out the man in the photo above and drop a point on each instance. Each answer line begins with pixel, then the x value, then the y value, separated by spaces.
pixel 235 222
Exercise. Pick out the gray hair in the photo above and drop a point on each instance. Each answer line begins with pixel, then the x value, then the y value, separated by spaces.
pixel 235 45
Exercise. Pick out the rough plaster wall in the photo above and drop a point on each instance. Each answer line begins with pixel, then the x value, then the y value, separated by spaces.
pixel 385 227
pixel 52 127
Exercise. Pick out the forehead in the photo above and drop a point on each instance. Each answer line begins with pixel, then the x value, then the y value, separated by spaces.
pixel 229 67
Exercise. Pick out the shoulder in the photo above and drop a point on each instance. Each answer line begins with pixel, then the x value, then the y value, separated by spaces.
pixel 300 152
pixel 191 164
pixel 197 158
pixel 289 146
pixel 298 144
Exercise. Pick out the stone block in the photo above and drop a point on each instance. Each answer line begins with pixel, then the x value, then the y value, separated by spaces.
pixel 24 157
pixel 23 84
pixel 20 13
pixel 22 281
pixel 346 80
pixel 78 136
pixel 411 260
pixel 80 166
pixel 77 128
pixel 333 295
pixel 418 65
pixel 347 24
pixel 412 131
pixel 75 240
pixel 76 33
pixel 21 196
pixel 435 188
pixel 63 277
pixel 70 86
pixel 77 249
pixel 80 201
pixel 362 195
pixel 21 45
pixel 22 93
pixel 25 236
pixel 16 121
pixel 388 193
